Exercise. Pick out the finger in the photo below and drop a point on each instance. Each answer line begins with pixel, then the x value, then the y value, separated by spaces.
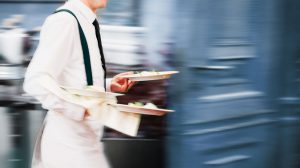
pixel 86 112
pixel 130 84
pixel 121 81
pixel 117 85
pixel 124 86
pixel 117 79
pixel 120 85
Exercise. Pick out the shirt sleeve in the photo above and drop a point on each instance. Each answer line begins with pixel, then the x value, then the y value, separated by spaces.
pixel 108 83
pixel 51 56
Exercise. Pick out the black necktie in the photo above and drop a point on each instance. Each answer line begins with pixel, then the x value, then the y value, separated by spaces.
pixel 97 30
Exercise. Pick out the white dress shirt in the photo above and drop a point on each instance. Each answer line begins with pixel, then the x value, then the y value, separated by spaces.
pixel 59 55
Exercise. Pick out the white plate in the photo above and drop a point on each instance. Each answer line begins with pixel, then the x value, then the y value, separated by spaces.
pixel 90 93
pixel 148 77
pixel 141 110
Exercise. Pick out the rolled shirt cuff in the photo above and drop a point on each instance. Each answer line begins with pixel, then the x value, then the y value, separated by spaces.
pixel 108 84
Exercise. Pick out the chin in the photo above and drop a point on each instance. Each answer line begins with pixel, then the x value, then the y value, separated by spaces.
pixel 102 4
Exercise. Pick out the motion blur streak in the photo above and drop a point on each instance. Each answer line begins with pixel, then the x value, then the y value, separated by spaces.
pixel 237 96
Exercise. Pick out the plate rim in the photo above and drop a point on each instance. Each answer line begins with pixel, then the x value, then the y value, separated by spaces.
pixel 170 73
pixel 143 108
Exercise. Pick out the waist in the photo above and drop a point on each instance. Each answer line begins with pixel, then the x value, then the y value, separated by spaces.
pixel 54 114
pixel 60 119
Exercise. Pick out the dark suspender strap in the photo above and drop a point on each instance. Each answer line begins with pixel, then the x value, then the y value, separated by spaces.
pixel 85 50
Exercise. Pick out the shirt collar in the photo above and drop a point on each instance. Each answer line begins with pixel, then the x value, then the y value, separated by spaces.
pixel 84 10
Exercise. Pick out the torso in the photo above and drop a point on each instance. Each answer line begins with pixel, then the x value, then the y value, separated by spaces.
pixel 74 73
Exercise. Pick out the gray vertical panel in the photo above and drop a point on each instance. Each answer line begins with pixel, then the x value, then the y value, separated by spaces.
pixel 5 142
pixel 218 50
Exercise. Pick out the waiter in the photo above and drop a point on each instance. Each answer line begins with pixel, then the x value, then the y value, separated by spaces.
pixel 70 51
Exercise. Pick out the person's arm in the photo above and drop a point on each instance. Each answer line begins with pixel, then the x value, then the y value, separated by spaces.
pixel 52 55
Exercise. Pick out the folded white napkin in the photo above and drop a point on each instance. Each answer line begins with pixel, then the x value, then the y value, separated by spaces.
pixel 100 108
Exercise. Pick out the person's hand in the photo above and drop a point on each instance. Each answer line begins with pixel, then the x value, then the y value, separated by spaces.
pixel 121 84
pixel 86 113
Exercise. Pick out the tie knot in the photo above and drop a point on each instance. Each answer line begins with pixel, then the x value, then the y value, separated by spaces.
pixel 95 23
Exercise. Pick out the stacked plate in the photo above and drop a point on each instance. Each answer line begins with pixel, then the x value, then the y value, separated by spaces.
pixel 90 92
pixel 143 76
pixel 150 75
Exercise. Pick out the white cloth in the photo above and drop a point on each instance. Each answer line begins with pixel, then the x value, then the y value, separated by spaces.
pixel 102 109
pixel 66 140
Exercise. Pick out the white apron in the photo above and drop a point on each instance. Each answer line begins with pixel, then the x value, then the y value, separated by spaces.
pixel 66 143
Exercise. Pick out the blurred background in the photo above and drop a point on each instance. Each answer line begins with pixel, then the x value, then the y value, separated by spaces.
pixel 237 96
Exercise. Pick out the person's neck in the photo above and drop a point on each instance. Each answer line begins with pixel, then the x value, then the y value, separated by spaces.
pixel 89 6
